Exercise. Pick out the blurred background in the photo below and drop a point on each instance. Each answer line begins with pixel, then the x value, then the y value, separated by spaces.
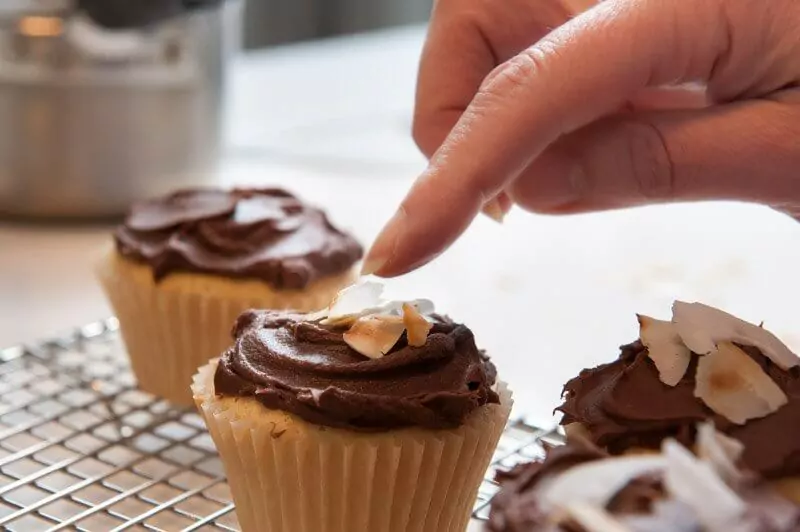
pixel 271 22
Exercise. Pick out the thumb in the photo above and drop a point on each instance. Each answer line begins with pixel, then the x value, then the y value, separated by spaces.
pixel 745 151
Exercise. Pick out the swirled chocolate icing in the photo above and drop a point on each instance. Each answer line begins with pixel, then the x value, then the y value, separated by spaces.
pixel 264 234
pixel 642 505
pixel 301 367
pixel 624 405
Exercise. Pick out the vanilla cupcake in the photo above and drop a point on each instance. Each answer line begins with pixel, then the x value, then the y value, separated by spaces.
pixel 382 419
pixel 186 265
pixel 580 488
pixel 702 365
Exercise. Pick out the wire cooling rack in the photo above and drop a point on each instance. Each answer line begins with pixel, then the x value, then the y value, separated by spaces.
pixel 82 449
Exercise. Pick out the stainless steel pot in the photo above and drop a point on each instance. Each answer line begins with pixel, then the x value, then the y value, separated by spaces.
pixel 92 119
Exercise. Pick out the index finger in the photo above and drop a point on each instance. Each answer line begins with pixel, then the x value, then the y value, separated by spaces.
pixel 579 72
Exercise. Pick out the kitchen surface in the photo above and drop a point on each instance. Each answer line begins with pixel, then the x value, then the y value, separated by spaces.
pixel 546 296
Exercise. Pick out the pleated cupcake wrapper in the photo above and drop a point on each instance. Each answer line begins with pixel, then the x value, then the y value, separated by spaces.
pixel 287 475
pixel 169 333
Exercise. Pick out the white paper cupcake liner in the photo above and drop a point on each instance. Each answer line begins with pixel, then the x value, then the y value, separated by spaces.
pixel 288 475
pixel 171 329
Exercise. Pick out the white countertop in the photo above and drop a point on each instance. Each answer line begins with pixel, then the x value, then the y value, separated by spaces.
pixel 546 296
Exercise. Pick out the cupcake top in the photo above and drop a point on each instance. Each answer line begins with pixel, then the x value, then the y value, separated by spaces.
pixel 262 234
pixel 580 488
pixel 362 364
pixel 703 364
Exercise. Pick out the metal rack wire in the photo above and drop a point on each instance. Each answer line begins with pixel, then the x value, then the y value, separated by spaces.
pixel 82 449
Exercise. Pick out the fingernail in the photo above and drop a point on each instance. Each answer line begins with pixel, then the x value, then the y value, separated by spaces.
pixel 560 196
pixel 383 248
pixel 372 265
pixel 494 210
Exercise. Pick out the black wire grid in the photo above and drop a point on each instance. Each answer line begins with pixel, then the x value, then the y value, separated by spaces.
pixel 82 449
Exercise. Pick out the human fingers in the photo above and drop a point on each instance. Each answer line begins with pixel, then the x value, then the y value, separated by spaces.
pixel 553 88
pixel 742 151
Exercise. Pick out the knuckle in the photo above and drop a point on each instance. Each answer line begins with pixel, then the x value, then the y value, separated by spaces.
pixel 516 73
pixel 648 158
pixel 522 78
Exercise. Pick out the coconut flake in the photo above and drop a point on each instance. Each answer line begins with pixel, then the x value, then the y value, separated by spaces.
pixel 354 300
pixel 666 515
pixel 702 327
pixel 721 451
pixel 395 308
pixel 696 484
pixel 594 518
pixel 423 306
pixel 374 336
pixel 596 483
pixel 733 385
pixel 665 349
pixel 416 325
pixel 316 316
pixel 364 299
pixel 387 308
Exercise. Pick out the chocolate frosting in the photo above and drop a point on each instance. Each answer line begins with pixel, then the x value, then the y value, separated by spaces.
pixel 642 505
pixel 514 508
pixel 624 405
pixel 264 234
pixel 299 366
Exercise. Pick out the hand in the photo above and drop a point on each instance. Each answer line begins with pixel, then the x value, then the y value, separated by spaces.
pixel 628 103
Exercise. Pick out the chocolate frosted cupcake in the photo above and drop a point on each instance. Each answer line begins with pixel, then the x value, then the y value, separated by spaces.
pixel 381 419
pixel 580 488
pixel 186 265
pixel 704 364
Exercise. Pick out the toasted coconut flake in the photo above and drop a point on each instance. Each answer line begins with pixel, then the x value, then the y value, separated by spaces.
pixel 344 321
pixel 417 326
pixel 597 482
pixel 423 306
pixel 733 385
pixel 594 518
pixel 374 336
pixel 316 316
pixel 355 299
pixel 364 299
pixel 696 484
pixel 702 327
pixel 721 451
pixel 388 308
pixel 665 349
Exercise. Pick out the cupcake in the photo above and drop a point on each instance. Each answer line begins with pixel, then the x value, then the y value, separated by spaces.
pixel 186 265
pixel 581 488
pixel 703 364
pixel 369 416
